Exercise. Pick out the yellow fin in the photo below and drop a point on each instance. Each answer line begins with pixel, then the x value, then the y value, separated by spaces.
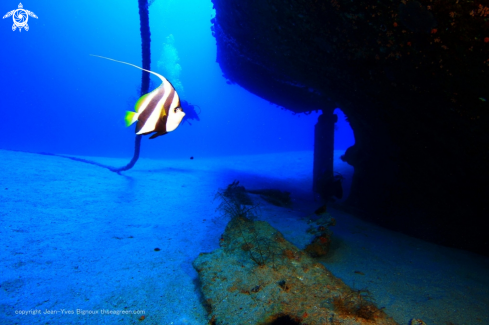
pixel 140 102
pixel 130 118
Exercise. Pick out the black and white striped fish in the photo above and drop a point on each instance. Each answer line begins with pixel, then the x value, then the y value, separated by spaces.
pixel 158 111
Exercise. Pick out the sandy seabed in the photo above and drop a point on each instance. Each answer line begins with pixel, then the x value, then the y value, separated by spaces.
pixel 83 245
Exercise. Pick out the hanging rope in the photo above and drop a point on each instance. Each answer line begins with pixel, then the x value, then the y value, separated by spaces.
pixel 146 54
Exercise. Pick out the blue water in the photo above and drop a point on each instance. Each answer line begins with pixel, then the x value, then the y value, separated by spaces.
pixel 57 98
pixel 78 236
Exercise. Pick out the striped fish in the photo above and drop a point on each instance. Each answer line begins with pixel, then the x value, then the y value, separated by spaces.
pixel 158 111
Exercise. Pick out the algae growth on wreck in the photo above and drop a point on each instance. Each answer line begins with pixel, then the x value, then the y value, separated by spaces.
pixel 287 162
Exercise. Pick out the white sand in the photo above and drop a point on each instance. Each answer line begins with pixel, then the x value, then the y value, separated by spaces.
pixel 76 236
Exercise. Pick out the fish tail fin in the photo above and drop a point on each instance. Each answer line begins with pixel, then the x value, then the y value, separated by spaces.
pixel 130 118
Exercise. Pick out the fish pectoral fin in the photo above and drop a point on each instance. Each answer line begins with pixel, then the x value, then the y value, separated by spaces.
pixel 130 118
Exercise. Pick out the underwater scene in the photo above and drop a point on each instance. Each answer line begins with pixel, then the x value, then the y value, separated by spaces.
pixel 232 162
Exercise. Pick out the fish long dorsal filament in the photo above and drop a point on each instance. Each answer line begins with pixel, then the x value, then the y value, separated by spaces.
pixel 132 65
pixel 157 111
